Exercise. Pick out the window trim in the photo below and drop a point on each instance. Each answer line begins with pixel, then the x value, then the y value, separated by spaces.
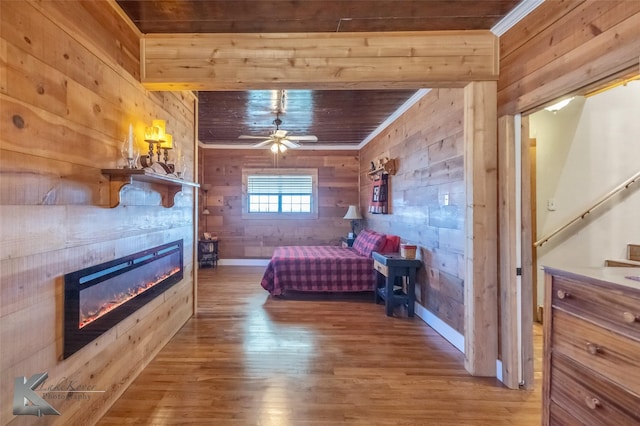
pixel 246 172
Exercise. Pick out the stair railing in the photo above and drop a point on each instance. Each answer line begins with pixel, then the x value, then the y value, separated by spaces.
pixel 626 184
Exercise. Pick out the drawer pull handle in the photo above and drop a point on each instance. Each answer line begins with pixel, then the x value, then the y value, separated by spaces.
pixel 592 403
pixel 593 349
pixel 563 294
pixel 629 317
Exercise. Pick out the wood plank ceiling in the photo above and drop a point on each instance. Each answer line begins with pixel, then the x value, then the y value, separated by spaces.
pixel 336 117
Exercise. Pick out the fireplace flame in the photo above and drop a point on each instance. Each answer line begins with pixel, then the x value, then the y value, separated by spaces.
pixel 122 298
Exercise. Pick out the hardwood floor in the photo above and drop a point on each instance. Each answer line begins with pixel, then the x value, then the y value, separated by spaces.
pixel 249 359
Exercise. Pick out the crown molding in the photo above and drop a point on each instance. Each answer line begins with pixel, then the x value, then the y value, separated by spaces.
pixel 516 15
pixel 393 117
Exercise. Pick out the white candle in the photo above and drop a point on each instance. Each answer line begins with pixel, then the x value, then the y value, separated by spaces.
pixel 130 141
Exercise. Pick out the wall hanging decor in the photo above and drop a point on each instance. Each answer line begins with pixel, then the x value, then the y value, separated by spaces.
pixel 379 173
pixel 379 193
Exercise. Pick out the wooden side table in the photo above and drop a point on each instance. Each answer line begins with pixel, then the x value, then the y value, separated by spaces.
pixel 207 253
pixel 390 266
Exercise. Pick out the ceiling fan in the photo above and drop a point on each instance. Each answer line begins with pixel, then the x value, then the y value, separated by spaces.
pixel 279 139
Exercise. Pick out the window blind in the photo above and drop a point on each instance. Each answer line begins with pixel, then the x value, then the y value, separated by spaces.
pixel 274 184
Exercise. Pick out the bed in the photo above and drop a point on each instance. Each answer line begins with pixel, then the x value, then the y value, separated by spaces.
pixel 324 268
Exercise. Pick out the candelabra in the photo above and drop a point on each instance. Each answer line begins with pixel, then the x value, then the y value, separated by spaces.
pixel 156 135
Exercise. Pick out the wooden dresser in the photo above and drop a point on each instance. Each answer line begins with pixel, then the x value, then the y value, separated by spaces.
pixel 591 347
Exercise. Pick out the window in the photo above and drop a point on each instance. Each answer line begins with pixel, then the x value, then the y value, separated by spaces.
pixel 280 192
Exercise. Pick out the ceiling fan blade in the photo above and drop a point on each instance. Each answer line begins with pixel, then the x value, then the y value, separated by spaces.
pixel 307 138
pixel 289 143
pixel 263 143
pixel 251 137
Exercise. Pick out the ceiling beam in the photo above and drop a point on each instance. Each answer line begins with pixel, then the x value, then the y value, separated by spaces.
pixel 318 60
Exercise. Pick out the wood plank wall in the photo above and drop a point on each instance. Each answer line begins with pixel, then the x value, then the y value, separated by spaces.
pixel 221 173
pixel 68 91
pixel 563 47
pixel 427 196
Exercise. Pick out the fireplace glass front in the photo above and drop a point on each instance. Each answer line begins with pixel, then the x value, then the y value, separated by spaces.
pixel 99 297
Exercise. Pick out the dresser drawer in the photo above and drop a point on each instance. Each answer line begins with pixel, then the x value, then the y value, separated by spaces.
pixel 610 354
pixel 589 397
pixel 607 306
pixel 558 416
pixel 383 269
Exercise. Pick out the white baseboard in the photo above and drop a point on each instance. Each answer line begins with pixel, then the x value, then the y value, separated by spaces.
pixel 446 331
pixel 441 327
pixel 243 262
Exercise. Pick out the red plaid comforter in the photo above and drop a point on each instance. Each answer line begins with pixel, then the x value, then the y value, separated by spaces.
pixel 318 268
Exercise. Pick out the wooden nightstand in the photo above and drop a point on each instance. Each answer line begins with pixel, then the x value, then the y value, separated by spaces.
pixel 347 242
pixel 391 266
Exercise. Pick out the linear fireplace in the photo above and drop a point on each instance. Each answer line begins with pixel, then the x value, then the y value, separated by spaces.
pixel 99 297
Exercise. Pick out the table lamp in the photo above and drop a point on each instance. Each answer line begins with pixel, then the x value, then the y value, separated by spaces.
pixel 353 214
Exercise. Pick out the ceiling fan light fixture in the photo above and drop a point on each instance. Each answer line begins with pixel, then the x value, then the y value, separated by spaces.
pixel 279 140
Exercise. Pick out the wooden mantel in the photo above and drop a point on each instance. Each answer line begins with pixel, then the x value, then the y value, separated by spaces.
pixel 318 60
pixel 119 178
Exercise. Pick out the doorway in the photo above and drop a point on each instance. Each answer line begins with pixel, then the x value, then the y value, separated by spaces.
pixel 584 152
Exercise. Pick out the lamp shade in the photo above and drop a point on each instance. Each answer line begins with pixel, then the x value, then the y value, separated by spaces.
pixel 353 213
pixel 161 125
pixel 151 134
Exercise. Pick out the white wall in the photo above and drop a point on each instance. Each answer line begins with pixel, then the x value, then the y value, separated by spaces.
pixel 584 151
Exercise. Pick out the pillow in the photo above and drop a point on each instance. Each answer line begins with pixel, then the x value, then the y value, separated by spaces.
pixel 391 244
pixel 367 242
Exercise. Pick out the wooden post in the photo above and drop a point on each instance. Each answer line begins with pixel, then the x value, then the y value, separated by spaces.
pixel 528 285
pixel 196 209
pixel 481 286
pixel 514 350
pixel 507 260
